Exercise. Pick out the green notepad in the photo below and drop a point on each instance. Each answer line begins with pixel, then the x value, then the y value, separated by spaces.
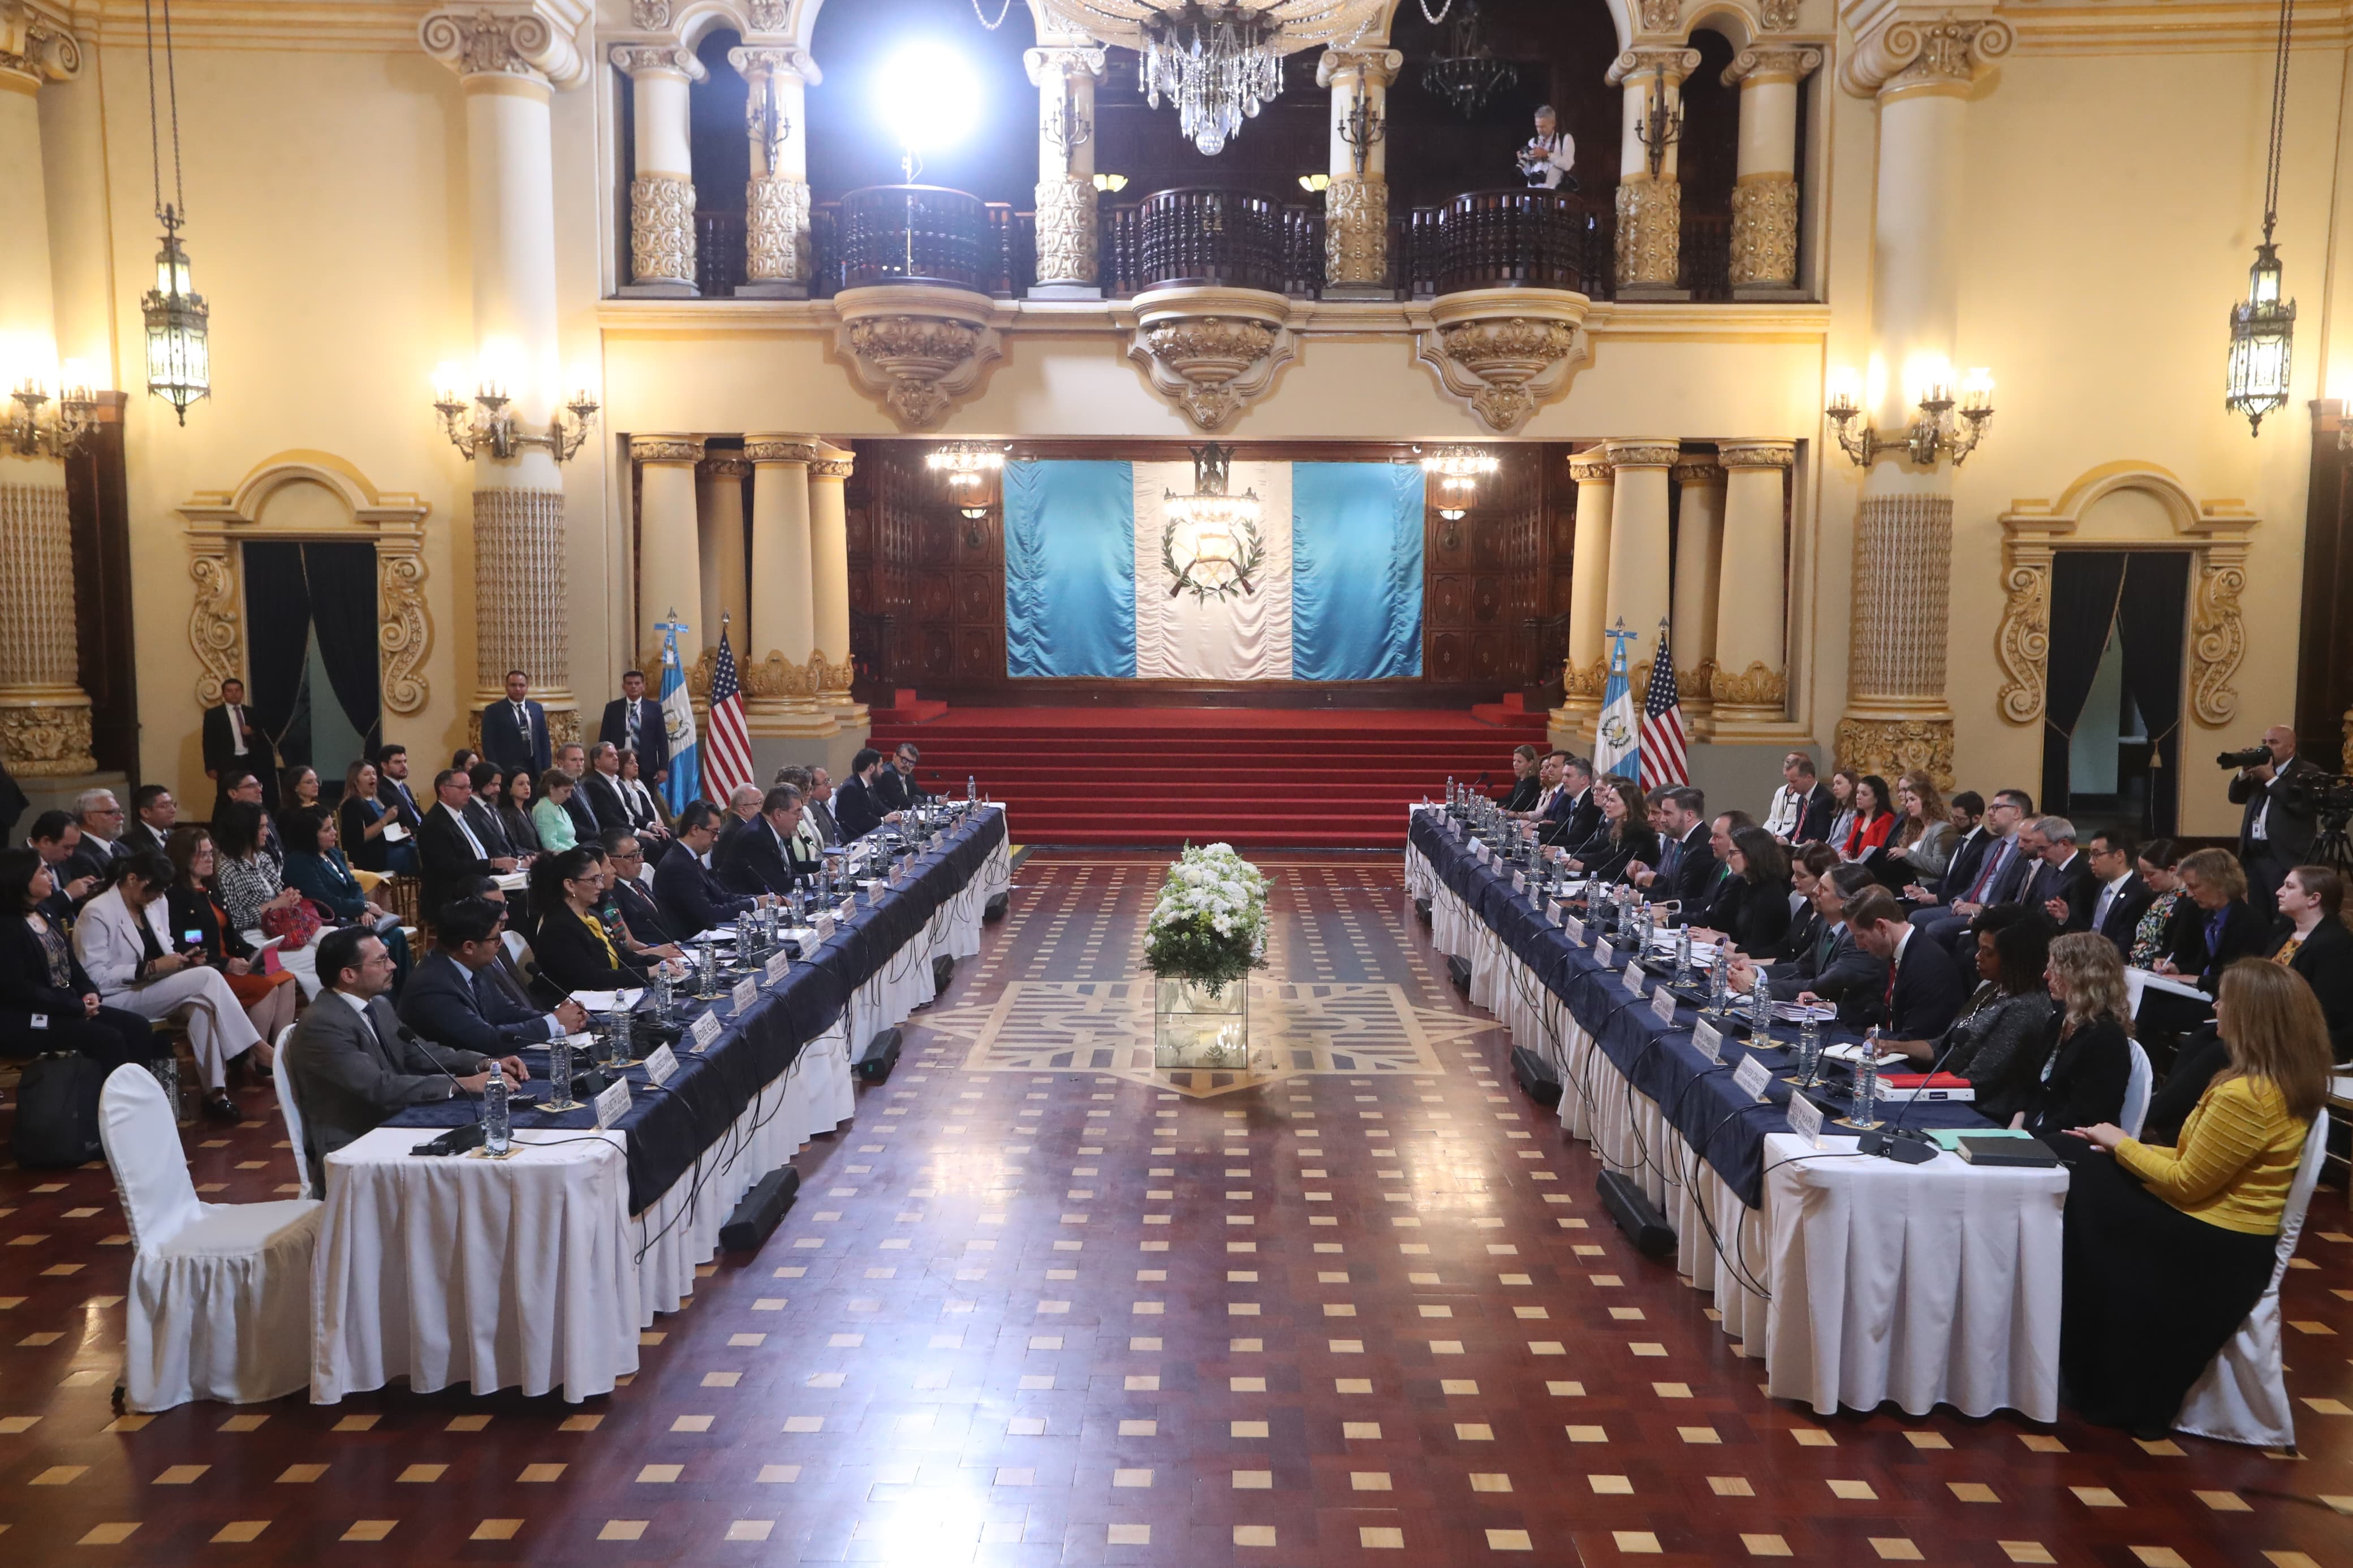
pixel 1949 1139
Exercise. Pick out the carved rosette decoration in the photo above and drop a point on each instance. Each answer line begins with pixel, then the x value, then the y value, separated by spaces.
pixel 1356 232
pixel 1893 747
pixel 776 229
pixel 1661 15
pixel 1211 352
pixel 1942 55
pixel 918 347
pixel 1765 229
pixel 1067 240
pixel 1506 351
pixel 661 229
pixel 1759 690
pixel 1650 232
pixel 650 15
pixel 1777 16
pixel 770 16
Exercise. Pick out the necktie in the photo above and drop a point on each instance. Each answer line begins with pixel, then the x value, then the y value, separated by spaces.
pixel 1891 989
pixel 1986 874
pixel 633 725
pixel 468 829
pixel 522 723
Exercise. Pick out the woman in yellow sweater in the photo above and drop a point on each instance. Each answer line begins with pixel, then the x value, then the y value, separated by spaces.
pixel 2167 1251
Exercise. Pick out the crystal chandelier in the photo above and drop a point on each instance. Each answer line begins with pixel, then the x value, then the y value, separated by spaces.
pixel 1467 74
pixel 1457 471
pixel 2262 327
pixel 968 467
pixel 179 322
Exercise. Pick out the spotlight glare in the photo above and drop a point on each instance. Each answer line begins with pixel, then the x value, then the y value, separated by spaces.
pixel 928 97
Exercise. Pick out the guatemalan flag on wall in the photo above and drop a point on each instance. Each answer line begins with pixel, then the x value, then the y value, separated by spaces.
pixel 1096 574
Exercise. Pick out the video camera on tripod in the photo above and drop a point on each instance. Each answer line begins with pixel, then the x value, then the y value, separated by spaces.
pixel 2327 798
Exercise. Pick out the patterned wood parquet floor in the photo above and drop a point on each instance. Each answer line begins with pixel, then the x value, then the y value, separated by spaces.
pixel 1033 1307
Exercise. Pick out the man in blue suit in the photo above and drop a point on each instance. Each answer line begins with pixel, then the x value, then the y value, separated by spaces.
pixel 514 733
pixel 451 1001
pixel 690 898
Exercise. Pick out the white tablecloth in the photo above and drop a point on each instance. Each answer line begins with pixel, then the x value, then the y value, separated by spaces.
pixel 1944 1286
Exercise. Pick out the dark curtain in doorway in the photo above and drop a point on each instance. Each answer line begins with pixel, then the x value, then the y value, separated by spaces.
pixel 343 608
pixel 277 636
pixel 2085 586
pixel 291 589
pixel 2152 626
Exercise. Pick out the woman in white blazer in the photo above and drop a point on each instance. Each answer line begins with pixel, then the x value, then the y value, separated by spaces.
pixel 124 940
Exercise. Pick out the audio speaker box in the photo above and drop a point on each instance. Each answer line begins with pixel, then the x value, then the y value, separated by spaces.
pixel 1635 1214
pixel 1458 970
pixel 881 1056
pixel 994 911
pixel 763 1209
pixel 1536 1076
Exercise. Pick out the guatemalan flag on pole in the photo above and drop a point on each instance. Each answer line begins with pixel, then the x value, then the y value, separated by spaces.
pixel 729 766
pixel 1663 757
pixel 685 780
pixel 1618 737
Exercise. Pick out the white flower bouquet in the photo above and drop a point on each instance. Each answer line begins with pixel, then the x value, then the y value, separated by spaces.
pixel 1209 928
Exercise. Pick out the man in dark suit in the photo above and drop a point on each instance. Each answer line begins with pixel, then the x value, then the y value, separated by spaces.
pixel 1997 878
pixel 2061 885
pixel 232 739
pixel 453 998
pixel 514 733
pixel 1576 814
pixel 399 800
pixel 55 835
pixel 857 807
pixel 154 813
pixel 1834 967
pixel 894 785
pixel 1925 990
pixel 1688 866
pixel 588 816
pixel 482 812
pixel 742 810
pixel 2122 897
pixel 602 785
pixel 2278 827
pixel 820 806
pixel 448 845
pixel 633 722
pixel 99 816
pixel 353 1064
pixel 763 858
pixel 690 898
pixel 1968 852
pixel 640 913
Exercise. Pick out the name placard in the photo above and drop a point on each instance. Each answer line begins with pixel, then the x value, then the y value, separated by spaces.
pixel 613 1104
pixel 1574 929
pixel 1709 1039
pixel 938 840
pixel 1519 881
pixel 1552 911
pixel 1806 1120
pixel 1604 954
pixel 746 991
pixel 1479 848
pixel 780 963
pixel 1632 978
pixel 1663 1006
pixel 660 1064
pixel 1752 1075
pixel 849 908
pixel 703 1030
pixel 823 925
pixel 898 872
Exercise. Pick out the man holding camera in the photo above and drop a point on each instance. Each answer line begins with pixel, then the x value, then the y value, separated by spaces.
pixel 2276 834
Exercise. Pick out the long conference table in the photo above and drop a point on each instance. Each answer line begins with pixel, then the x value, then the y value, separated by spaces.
pixel 538 1271
pixel 1857 1280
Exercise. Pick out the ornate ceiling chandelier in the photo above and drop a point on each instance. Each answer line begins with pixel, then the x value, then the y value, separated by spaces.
pixel 179 324
pixel 1219 61
pixel 1468 73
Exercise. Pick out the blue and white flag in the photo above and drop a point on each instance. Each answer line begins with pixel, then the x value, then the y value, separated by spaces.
pixel 685 780
pixel 1617 737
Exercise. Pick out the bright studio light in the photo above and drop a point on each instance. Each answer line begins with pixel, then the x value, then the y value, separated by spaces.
pixel 928 98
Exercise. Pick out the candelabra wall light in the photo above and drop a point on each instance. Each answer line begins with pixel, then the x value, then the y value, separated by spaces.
pixel 1362 128
pixel 1659 127
pixel 1066 127
pixel 35 430
pixel 1315 184
pixel 1946 427
pixel 491 426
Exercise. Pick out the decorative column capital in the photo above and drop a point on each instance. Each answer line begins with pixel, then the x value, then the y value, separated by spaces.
pixel 1700 473
pixel 760 63
pixel 1765 453
pixel 533 43
pixel 35 45
pixel 1895 50
pixel 762 449
pixel 1591 467
pixel 1672 65
pixel 1374 67
pixel 666 449
pixel 1772 63
pixel 659 60
pixel 1643 453
pixel 834 465
pixel 1062 61
pixel 723 468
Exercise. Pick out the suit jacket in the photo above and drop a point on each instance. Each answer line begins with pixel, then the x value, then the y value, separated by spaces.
pixel 94 856
pixel 1814 822
pixel 1695 872
pixel 1805 930
pixel 895 793
pixel 653 739
pixel 691 900
pixel 2008 882
pixel 447 857
pixel 571 957
pixel 2288 831
pixel 25 994
pixel 2131 902
pixel 1522 797
pixel 395 794
pixel 349 1078
pixel 1755 915
pixel 1579 818
pixel 1929 991
pixel 106 938
pixel 757 863
pixel 138 836
pixel 1605 858
pixel 220 752
pixel 587 818
pixel 828 831
pixel 2072 883
pixel 856 808
pixel 483 818
pixel 464 1009
pixel 642 915
pixel 2245 934
pixel 604 795
pixel 1967 855
pixel 2325 962
pixel 2084 1083
pixel 1838 970
pixel 511 745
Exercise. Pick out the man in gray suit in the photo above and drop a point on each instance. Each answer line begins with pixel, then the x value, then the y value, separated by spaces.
pixel 821 808
pixel 353 1064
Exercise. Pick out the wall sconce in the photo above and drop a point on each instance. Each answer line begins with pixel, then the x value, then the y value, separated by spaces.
pixel 1937 432
pixel 970 468
pixel 1457 471
pixel 491 426
pixel 1362 128
pixel 1110 182
pixel 1314 184
pixel 60 433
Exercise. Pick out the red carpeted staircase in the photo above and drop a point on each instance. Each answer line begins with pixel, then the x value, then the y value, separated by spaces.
pixel 1319 778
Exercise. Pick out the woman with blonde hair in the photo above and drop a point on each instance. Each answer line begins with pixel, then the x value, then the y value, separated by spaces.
pixel 2089 1061
pixel 2167 1250
pixel 2217 927
pixel 1924 841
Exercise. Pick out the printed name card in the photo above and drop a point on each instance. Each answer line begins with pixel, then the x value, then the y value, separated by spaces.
pixel 704 1030
pixel 874 894
pixel 746 991
pixel 1806 1120
pixel 660 1065
pixel 613 1104
pixel 1663 1006
pixel 1519 881
pixel 849 908
pixel 1709 1039
pixel 1752 1075
pixel 1633 976
pixel 824 926
pixel 780 964
pixel 1552 911
pixel 1604 954
pixel 1574 929
pixel 898 872
pixel 1479 848
pixel 938 840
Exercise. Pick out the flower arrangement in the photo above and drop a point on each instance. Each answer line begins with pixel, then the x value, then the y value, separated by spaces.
pixel 1209 927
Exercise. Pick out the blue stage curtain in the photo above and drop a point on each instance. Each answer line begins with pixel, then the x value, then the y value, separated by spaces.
pixel 1069 569
pixel 1356 570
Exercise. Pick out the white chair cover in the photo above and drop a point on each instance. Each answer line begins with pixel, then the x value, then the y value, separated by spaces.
pixel 2138 1086
pixel 219 1302
pixel 290 1112
pixel 2243 1399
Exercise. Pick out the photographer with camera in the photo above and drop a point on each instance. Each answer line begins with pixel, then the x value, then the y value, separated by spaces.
pixel 2277 787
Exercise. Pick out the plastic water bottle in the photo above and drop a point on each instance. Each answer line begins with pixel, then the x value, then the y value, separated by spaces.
pixel 559 1071
pixel 1809 1049
pixel 971 793
pixel 1866 1082
pixel 1682 956
pixel 1760 1013
pixel 497 1135
pixel 624 1041
pixel 661 997
pixel 708 973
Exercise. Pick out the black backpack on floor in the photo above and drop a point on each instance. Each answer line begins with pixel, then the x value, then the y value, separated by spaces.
pixel 57 1111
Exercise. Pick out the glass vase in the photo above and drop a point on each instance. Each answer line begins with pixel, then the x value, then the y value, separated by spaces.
pixel 1195 1027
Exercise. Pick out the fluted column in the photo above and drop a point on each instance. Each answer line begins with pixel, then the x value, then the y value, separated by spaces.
pixel 669 555
pixel 1639 565
pixel 1919 67
pixel 662 192
pixel 509 62
pixel 783 602
pixel 1068 265
pixel 719 511
pixel 1650 200
pixel 1356 203
pixel 1699 541
pixel 776 200
pixel 44 712
pixel 1765 193
pixel 1588 587
pixel 1751 685
pixel 830 581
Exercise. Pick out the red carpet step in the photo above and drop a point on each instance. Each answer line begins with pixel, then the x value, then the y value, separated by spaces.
pixel 1264 778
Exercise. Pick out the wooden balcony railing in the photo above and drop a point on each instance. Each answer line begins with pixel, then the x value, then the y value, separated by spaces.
pixel 916 234
pixel 718 253
pixel 1507 238
pixel 1206 235
pixel 1706 261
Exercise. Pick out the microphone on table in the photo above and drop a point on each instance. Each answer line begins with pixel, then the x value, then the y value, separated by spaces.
pixel 1894 1142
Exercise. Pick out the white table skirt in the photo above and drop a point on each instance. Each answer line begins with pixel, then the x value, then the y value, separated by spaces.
pixel 1957 1297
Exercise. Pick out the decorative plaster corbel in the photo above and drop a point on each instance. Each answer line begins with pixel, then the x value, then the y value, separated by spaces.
pixel 1211 352
pixel 918 346
pixel 1506 351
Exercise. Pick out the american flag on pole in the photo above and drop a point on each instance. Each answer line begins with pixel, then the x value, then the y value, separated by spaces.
pixel 1664 762
pixel 729 765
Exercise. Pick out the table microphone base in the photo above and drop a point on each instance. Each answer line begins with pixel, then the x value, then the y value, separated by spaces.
pixel 1906 1146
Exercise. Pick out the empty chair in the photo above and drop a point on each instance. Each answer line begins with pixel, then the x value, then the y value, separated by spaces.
pixel 291 1112
pixel 2139 1082
pixel 2243 1399
pixel 220 1299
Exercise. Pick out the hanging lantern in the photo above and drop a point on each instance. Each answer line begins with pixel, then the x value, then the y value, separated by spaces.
pixel 179 351
pixel 2262 330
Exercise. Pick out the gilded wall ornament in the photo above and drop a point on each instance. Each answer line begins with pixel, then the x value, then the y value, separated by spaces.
pixel 1650 232
pixel 1901 591
pixel 1505 351
pixel 2218 640
pixel 34 45
pixel 1211 352
pixel 1588 682
pixel 519 588
pixel 649 13
pixel 1765 230
pixel 919 346
pixel 2024 644
pixel 1946 52
pixel 1642 454
pixel 46 741
pixel 1757 688
pixel 770 16
pixel 37 640
pixel 1777 16
pixel 1067 237
pixel 1893 747
pixel 1356 232
pixel 661 229
pixel 404 632
pixel 666 449
pixel 1661 15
